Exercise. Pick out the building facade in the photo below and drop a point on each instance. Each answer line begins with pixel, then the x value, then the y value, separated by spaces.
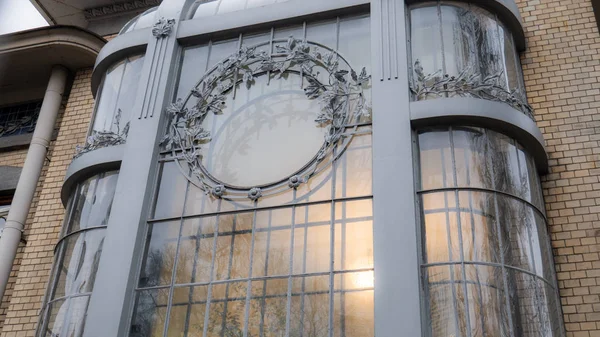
pixel 305 168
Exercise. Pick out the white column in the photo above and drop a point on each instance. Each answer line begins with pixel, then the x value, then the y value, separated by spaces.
pixel 13 228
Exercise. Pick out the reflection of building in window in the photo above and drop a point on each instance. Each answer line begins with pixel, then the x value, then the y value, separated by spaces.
pixel 19 119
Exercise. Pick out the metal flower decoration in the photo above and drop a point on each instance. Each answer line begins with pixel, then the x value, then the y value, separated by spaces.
pixel 254 193
pixel 163 27
pixel 340 93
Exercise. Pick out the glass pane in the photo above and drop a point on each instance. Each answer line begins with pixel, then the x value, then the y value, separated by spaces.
pixel 171 191
pixel 353 305
pixel 92 202
pixel 471 153
pixel 488 310
pixel 234 242
pixel 309 306
pixel 150 313
pixel 101 201
pixel 529 307
pixel 198 202
pixel 459 46
pixel 147 19
pixel 79 256
pixel 312 239
pixel 194 259
pixel 442 301
pixel 55 317
pixel 159 258
pixel 354 169
pixel 427 56
pixel 545 261
pixel 227 309
pixel 107 99
pixel 442 239
pixel 193 65
pixel 479 228
pixel 268 308
pixel 435 160
pixel 272 243
pixel 518 223
pixel 353 235
pixel 128 92
pixel 506 163
pixel 82 206
pixel 188 311
pixel 117 95
pixel 75 319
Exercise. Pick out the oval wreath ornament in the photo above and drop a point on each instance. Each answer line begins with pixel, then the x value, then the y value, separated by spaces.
pixel 342 102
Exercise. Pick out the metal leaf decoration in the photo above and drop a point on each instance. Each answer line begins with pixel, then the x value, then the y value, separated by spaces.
pixel 341 98
pixel 163 27
pixel 100 139
pixel 467 83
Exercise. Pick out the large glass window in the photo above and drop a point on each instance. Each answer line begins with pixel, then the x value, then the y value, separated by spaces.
pixel 487 264
pixel 461 50
pixel 77 257
pixel 114 102
pixel 291 261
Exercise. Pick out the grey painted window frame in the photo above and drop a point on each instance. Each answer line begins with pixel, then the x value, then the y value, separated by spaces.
pixel 396 244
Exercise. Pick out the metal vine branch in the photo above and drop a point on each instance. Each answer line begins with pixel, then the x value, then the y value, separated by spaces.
pixel 100 139
pixel 340 95
pixel 467 83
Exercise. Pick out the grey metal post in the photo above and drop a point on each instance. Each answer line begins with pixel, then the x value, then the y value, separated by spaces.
pixel 397 298
pixel 36 155
pixel 112 300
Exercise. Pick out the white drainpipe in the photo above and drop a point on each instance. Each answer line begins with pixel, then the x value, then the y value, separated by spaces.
pixel 30 175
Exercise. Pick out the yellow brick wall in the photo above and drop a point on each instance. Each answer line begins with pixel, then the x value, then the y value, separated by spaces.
pixel 17 158
pixel 42 233
pixel 562 68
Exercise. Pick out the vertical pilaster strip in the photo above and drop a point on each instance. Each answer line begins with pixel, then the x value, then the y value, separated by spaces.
pixel 112 301
pixel 397 290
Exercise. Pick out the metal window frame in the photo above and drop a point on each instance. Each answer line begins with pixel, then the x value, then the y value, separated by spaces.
pixel 396 245
pixel 495 193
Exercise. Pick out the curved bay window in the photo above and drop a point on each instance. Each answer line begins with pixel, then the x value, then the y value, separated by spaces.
pixel 263 224
pixel 114 101
pixel 77 256
pixel 486 261
pixel 461 50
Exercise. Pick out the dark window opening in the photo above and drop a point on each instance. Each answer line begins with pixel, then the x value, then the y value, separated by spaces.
pixel 19 119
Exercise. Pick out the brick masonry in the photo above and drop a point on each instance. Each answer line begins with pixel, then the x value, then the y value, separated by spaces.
pixel 561 68
pixel 45 220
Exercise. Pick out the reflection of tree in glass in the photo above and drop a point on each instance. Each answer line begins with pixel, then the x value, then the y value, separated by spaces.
pixel 268 298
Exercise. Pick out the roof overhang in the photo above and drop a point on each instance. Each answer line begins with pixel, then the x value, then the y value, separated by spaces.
pixel 100 16
pixel 26 57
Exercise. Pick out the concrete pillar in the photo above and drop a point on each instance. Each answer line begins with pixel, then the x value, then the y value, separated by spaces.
pixel 15 221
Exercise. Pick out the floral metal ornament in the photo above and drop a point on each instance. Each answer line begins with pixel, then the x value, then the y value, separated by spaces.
pixel 467 84
pixel 255 193
pixel 100 139
pixel 340 93
pixel 163 27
